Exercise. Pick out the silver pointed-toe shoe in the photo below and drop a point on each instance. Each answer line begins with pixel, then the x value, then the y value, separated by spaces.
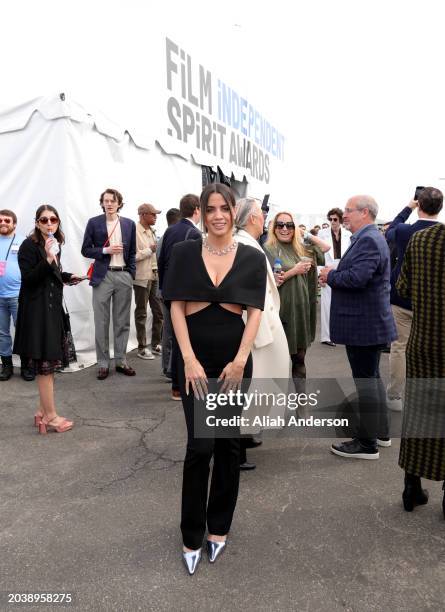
pixel 191 560
pixel 214 549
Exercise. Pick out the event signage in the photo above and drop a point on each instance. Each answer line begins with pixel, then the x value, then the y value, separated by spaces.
pixel 207 115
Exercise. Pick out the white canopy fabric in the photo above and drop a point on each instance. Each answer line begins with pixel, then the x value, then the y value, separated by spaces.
pixel 57 152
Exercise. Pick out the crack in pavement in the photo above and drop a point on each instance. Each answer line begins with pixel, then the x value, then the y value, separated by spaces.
pixel 149 457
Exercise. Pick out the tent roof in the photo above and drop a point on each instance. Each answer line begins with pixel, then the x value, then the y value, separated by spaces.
pixel 58 107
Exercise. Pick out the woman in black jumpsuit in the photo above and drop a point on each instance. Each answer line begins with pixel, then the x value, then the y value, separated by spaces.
pixel 208 284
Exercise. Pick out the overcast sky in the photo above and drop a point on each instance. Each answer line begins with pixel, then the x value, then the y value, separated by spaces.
pixel 356 86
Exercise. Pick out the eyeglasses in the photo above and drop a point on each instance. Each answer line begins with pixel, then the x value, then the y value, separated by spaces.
pixel 334 219
pixel 46 220
pixel 350 210
pixel 288 225
pixel 6 221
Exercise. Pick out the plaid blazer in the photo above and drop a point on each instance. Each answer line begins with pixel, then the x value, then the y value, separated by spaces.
pixel 360 308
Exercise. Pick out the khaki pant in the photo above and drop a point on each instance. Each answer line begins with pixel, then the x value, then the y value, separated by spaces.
pixel 142 297
pixel 397 360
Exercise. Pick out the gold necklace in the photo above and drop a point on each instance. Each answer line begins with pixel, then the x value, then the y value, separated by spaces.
pixel 219 252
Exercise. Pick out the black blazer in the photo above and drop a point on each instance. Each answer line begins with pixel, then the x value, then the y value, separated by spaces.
pixel 188 280
pixel 183 230
pixel 39 328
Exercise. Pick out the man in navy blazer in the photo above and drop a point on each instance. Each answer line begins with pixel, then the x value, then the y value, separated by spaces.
pixel 184 229
pixel 398 234
pixel 362 320
pixel 111 241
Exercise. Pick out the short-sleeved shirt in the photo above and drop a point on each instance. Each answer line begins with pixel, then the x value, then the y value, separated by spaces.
pixel 10 282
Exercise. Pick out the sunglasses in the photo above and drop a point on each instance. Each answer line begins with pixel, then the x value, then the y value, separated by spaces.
pixel 288 225
pixel 333 219
pixel 6 221
pixel 46 220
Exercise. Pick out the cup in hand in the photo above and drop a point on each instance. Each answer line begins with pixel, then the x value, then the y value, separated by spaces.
pixel 308 261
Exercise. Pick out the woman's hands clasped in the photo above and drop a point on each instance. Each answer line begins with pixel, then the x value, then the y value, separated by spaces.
pixel 196 377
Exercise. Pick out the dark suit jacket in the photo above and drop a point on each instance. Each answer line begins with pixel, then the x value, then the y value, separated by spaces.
pixel 93 244
pixel 360 309
pixel 183 230
pixel 399 234
pixel 39 328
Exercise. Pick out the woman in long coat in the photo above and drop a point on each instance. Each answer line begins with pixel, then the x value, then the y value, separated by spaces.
pixel 40 337
pixel 422 449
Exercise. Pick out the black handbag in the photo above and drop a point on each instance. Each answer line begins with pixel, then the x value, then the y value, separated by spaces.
pixel 69 347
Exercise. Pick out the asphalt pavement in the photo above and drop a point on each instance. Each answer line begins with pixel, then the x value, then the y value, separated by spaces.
pixel 94 513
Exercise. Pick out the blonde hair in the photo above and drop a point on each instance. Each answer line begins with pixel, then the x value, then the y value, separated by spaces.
pixel 296 242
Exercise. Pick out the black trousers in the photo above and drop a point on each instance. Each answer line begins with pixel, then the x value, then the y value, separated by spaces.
pixel 373 412
pixel 215 334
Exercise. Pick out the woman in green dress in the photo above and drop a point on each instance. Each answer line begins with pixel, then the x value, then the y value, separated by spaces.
pixel 284 243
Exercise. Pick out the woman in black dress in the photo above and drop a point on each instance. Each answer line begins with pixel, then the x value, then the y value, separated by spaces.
pixel 208 284
pixel 40 336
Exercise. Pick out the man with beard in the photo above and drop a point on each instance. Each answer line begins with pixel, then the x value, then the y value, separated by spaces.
pixel 10 281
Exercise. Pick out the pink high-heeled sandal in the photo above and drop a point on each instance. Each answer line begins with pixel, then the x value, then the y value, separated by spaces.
pixel 37 418
pixel 64 425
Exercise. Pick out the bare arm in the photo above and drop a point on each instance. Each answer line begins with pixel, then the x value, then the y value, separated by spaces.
pixel 194 372
pixel 322 245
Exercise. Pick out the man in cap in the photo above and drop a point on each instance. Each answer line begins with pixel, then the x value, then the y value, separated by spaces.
pixel 145 284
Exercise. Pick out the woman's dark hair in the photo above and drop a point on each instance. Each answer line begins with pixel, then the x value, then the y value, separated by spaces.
pixel 116 196
pixel 37 236
pixel 225 192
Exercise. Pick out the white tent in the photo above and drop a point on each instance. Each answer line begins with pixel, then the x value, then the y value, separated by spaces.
pixel 55 151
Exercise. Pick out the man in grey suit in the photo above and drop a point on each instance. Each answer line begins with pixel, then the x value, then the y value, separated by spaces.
pixel 111 241
pixel 362 320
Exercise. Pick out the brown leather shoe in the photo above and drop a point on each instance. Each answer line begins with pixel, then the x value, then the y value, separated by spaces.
pixel 125 369
pixel 102 373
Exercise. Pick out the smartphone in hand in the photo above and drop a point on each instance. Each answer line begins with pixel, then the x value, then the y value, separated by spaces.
pixel 418 190
pixel 76 280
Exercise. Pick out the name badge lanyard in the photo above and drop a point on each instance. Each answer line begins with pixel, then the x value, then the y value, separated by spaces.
pixel 9 248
